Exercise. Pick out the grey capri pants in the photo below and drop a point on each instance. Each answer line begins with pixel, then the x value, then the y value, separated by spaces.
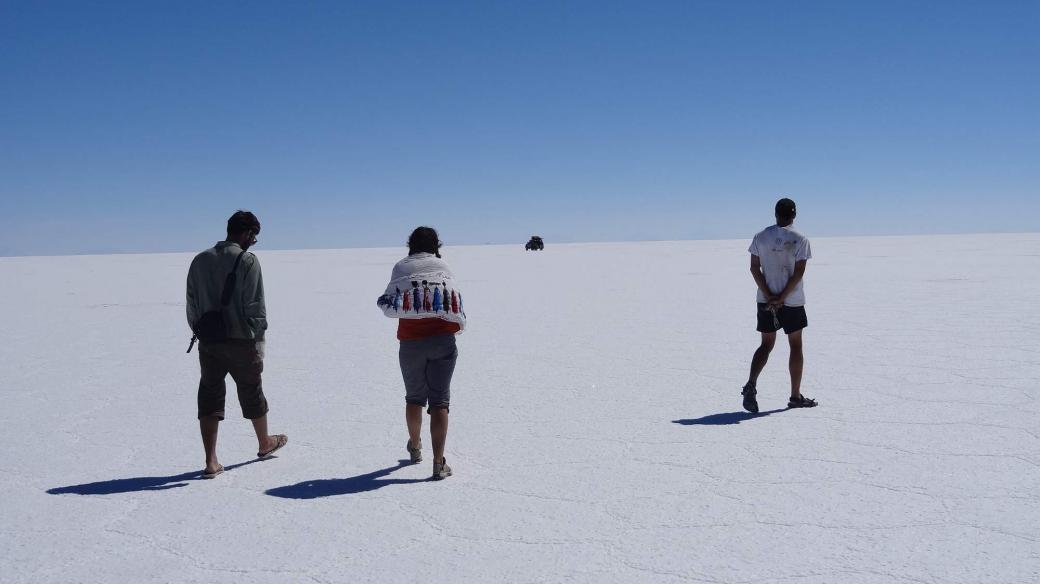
pixel 427 366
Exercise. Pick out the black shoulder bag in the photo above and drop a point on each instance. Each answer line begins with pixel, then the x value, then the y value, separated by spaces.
pixel 211 327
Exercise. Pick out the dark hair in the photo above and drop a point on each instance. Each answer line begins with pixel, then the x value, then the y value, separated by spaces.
pixel 424 240
pixel 241 222
pixel 785 209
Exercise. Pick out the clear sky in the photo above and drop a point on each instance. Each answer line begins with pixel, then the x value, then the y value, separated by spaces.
pixel 140 126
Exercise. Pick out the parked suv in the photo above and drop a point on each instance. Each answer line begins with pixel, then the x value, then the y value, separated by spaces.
pixel 535 244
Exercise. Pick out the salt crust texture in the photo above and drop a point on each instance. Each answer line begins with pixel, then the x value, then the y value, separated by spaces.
pixel 596 428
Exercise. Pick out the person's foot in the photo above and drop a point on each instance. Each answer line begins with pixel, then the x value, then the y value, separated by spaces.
pixel 415 453
pixel 212 470
pixel 800 401
pixel 271 444
pixel 441 470
pixel 750 402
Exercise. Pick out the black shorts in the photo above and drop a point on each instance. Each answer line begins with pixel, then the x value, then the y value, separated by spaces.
pixel 791 318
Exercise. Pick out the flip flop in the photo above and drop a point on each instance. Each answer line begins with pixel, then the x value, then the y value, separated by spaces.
pixel 212 475
pixel 279 441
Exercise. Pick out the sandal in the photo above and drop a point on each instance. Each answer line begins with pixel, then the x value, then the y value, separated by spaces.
pixel 801 402
pixel 212 475
pixel 279 441
pixel 415 453
pixel 750 403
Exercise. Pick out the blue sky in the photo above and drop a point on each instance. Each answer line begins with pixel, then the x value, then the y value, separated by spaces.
pixel 140 126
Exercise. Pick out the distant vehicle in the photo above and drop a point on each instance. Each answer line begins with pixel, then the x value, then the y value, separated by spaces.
pixel 536 244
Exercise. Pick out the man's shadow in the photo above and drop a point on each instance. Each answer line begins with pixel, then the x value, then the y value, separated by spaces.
pixel 348 486
pixel 726 419
pixel 138 484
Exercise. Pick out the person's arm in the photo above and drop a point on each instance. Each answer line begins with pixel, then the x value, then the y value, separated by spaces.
pixel 191 305
pixel 253 306
pixel 760 278
pixel 792 282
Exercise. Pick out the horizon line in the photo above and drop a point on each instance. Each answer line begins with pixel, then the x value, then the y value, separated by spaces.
pixel 489 244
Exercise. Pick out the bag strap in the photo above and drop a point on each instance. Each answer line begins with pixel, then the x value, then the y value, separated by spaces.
pixel 229 283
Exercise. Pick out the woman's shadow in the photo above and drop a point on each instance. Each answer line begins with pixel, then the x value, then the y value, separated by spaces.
pixel 726 418
pixel 348 486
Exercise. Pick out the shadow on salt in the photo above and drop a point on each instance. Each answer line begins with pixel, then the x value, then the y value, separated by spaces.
pixel 331 487
pixel 138 484
pixel 726 419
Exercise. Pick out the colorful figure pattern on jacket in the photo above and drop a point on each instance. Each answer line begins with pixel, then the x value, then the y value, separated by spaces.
pixel 423 299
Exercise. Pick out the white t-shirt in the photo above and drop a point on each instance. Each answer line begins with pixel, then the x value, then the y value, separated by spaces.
pixel 778 248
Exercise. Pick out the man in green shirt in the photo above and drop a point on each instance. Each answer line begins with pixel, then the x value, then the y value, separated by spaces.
pixel 226 311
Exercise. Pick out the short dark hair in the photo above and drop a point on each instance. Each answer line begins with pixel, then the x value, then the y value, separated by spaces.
pixel 241 222
pixel 424 240
pixel 785 209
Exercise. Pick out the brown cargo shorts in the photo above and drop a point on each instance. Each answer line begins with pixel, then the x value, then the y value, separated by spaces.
pixel 245 362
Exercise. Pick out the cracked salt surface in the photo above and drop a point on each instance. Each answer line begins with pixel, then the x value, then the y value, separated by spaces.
pixel 596 432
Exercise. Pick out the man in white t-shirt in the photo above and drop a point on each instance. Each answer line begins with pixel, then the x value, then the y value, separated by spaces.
pixel 778 258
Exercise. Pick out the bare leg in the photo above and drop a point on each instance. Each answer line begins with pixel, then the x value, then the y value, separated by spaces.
pixel 263 439
pixel 758 362
pixel 209 425
pixel 438 432
pixel 413 416
pixel 795 363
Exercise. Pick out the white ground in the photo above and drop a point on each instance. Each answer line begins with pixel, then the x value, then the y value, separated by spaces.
pixel 596 429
